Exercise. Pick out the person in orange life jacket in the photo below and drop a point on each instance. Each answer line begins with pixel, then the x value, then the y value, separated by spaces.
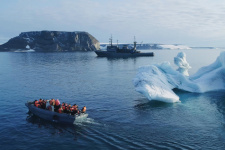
pixel 69 106
pixel 36 103
pixel 57 102
pixel 41 102
pixel 74 110
pixel 75 106
pixel 64 107
pixel 50 103
pixel 60 110
pixel 57 105
pixel 63 104
pixel 68 109
pixel 44 104
pixel 49 107
pixel 83 110
pixel 71 109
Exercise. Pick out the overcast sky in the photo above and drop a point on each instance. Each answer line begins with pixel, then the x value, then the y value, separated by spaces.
pixel 189 22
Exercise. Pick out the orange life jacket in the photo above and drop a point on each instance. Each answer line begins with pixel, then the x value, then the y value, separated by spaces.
pixel 52 102
pixel 60 110
pixel 68 108
pixel 41 102
pixel 75 109
pixel 71 109
pixel 84 109
pixel 57 102
pixel 36 103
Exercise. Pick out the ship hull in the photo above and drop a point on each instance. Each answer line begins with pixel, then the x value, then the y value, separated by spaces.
pixel 117 54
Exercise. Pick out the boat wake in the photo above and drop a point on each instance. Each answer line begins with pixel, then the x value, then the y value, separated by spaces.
pixel 83 119
pixel 80 119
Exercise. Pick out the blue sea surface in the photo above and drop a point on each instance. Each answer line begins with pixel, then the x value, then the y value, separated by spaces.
pixel 119 117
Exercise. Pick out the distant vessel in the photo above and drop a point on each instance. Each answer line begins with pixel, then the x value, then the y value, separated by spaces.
pixel 116 51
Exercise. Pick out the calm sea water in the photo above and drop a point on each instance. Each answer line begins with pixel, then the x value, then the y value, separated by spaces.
pixel 119 117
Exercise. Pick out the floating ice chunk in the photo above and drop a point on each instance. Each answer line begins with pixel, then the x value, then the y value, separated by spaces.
pixel 152 82
pixel 157 82
pixel 182 63
pixel 212 77
pixel 27 47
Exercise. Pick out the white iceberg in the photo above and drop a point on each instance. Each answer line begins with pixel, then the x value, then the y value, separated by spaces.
pixel 182 63
pixel 157 82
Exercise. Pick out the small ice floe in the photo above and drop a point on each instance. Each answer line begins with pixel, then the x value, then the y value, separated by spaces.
pixel 27 47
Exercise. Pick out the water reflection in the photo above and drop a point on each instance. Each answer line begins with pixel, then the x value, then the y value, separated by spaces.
pixel 52 58
pixel 55 128
pixel 213 97
pixel 218 98
pixel 188 99
pixel 146 104
pixel 121 59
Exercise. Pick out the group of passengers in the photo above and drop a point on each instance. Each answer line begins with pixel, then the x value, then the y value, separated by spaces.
pixel 54 105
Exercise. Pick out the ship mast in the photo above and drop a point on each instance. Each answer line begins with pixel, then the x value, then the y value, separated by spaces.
pixel 110 40
pixel 135 43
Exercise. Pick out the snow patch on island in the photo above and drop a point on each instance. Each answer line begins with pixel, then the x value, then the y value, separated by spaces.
pixel 157 81
pixel 172 47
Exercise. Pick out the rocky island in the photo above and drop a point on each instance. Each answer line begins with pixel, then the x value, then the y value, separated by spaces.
pixel 52 41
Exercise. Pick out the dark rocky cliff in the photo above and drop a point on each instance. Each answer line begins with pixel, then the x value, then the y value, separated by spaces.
pixel 52 41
